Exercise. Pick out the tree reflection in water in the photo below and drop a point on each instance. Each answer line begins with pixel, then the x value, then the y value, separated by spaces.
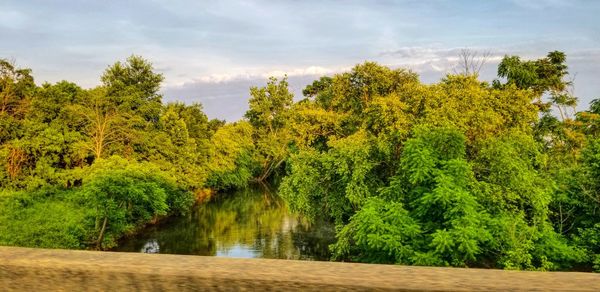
pixel 245 223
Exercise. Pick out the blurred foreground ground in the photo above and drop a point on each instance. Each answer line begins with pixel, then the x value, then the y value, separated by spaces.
pixel 24 269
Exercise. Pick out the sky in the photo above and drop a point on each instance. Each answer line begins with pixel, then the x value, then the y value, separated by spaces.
pixel 212 52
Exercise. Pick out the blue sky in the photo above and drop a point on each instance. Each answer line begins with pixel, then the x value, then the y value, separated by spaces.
pixel 213 51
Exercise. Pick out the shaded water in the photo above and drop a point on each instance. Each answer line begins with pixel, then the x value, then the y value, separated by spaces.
pixel 250 223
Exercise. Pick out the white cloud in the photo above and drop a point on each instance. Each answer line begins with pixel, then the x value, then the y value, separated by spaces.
pixel 238 43
pixel 434 58
pixel 262 74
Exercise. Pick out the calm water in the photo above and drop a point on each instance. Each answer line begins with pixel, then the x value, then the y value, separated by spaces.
pixel 249 223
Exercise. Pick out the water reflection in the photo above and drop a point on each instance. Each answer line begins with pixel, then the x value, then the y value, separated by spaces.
pixel 246 223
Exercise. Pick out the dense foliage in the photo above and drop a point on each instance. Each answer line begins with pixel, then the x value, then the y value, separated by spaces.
pixel 457 173
pixel 463 172
pixel 83 167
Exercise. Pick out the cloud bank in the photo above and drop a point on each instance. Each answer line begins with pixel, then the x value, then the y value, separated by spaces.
pixel 213 51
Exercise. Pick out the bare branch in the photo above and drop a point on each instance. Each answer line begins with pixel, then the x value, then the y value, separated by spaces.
pixel 470 62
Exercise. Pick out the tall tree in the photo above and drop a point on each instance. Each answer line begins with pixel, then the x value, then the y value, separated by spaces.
pixel 268 113
pixel 16 85
pixel 544 75
pixel 133 86
pixel 104 123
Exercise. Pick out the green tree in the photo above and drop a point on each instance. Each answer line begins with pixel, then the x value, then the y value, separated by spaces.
pixel 268 114
pixel 230 156
pixel 432 213
pixel 335 183
pixel 16 85
pixel 104 124
pixel 126 195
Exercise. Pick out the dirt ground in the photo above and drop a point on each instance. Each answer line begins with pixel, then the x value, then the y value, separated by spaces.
pixel 24 269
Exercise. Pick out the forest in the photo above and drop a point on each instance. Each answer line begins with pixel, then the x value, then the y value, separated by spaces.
pixel 463 172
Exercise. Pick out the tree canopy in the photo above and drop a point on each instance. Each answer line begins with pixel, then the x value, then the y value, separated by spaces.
pixel 462 172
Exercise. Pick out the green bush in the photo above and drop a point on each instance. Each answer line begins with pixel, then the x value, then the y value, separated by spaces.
pixel 126 195
pixel 48 218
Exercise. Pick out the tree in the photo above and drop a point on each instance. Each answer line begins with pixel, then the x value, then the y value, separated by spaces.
pixel 194 118
pixel 230 156
pixel 477 109
pixel 133 86
pixel 16 85
pixel 312 126
pixel 585 199
pixel 589 120
pixel 16 89
pixel 268 114
pixel 126 195
pixel 334 183
pixel 470 62
pixel 456 173
pixel 102 119
pixel 541 76
pixel 321 91
pixel 353 91
pixel 431 218
pixel 45 137
pixel 135 72
pixel 268 105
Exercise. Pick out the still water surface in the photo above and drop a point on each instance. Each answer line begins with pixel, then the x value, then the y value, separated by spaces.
pixel 250 223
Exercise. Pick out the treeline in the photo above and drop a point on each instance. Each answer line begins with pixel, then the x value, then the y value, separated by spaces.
pixel 502 174
pixel 458 173
pixel 83 167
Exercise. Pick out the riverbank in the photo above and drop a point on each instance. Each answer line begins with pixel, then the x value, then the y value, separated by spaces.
pixel 119 197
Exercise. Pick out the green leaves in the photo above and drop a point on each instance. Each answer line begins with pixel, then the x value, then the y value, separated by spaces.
pixel 134 72
pixel 269 104
pixel 54 139
pixel 418 162
pixel 442 242
pixel 48 218
pixel 230 157
pixel 127 195
pixel 442 222
pixel 336 182
pixel 459 172
pixel 380 232
pixel 540 75
pixel 268 113
pixel 458 156
pixel 443 201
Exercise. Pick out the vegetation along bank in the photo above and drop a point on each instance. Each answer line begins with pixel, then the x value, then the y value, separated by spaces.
pixel 463 172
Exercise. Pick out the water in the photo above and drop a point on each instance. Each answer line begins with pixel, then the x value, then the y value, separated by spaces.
pixel 250 223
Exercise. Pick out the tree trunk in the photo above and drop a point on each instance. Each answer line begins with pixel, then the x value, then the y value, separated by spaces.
pixel 101 236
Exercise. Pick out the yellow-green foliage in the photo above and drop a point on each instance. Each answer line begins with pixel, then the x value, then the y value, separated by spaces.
pixel 230 156
pixel 477 109
pixel 452 173
pixel 460 172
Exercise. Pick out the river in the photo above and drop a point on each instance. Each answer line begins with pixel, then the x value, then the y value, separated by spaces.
pixel 249 223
